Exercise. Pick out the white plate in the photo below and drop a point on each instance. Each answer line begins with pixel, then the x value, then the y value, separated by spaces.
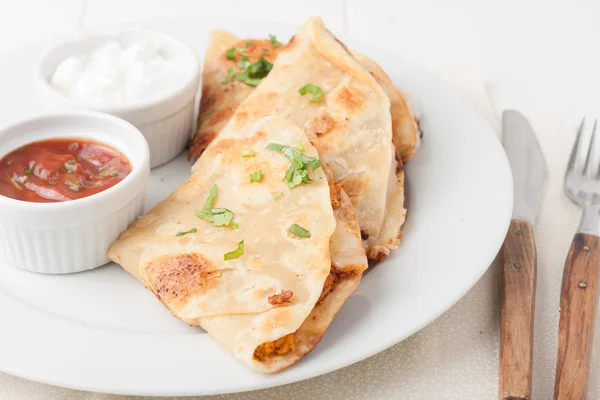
pixel 102 331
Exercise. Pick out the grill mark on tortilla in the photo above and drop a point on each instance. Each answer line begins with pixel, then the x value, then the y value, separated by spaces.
pixel 351 99
pixel 335 194
pixel 320 125
pixel 176 278
pixel 329 284
pixel 222 115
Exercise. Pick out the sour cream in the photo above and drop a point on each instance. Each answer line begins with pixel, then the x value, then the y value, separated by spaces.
pixel 118 74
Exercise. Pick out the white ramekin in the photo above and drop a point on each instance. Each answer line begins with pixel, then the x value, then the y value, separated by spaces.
pixel 166 122
pixel 72 236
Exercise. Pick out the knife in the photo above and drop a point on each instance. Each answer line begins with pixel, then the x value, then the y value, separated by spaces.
pixel 518 256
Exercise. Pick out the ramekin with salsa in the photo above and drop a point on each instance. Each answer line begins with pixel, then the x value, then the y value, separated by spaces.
pixel 70 183
pixel 61 170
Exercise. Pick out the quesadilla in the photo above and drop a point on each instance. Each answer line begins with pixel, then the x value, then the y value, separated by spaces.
pixel 220 101
pixel 261 262
pixel 348 121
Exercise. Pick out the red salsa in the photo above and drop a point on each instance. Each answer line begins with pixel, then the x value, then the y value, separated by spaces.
pixel 61 170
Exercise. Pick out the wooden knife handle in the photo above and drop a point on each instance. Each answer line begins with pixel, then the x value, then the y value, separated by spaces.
pixel 517 301
pixel 578 304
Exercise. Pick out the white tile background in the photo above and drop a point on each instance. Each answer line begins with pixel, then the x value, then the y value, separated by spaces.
pixel 541 56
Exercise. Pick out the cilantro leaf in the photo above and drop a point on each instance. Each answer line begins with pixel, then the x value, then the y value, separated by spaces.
pixel 229 76
pixel 218 216
pixel 230 54
pixel 256 176
pixel 243 63
pixel 232 255
pixel 212 195
pixel 259 69
pixel 273 40
pixel 193 230
pixel 29 171
pixel 297 173
pixel 247 153
pixel 299 231
pixel 248 43
pixel 277 195
pixel 312 89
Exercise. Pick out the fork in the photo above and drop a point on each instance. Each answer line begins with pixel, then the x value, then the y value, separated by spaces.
pixel 579 293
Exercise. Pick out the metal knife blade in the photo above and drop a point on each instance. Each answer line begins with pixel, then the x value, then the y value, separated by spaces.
pixel 529 170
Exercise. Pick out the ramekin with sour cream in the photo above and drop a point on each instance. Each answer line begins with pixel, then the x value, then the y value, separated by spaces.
pixel 145 77
pixel 71 236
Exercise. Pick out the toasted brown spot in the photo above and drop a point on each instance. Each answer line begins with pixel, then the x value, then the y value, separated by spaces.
pixel 329 284
pixel 399 163
pixel 335 195
pixel 209 97
pixel 350 98
pixel 364 234
pixel 241 116
pixel 221 116
pixel 320 125
pixel 222 145
pixel 283 297
pixel 201 142
pixel 354 185
pixel 179 277
pixel 280 346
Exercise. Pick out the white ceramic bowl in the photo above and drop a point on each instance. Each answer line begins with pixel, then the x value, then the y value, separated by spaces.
pixel 166 121
pixel 72 236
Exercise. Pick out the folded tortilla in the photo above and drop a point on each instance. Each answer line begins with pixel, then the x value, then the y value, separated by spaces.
pixel 272 304
pixel 336 125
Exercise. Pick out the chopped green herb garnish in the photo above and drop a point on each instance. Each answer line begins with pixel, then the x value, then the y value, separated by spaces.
pixel 300 147
pixel 232 255
pixel 256 176
pixel 230 54
pixel 259 69
pixel 243 77
pixel 71 166
pixel 273 40
pixel 212 195
pixel 252 73
pixel 113 174
pixel 312 89
pixel 230 75
pixel 248 43
pixel 193 230
pixel 243 63
pixel 277 195
pixel 248 153
pixel 298 171
pixel 29 171
pixel 218 216
pixel 299 231
pixel 74 186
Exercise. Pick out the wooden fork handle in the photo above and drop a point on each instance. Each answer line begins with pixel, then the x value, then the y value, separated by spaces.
pixel 517 302
pixel 578 304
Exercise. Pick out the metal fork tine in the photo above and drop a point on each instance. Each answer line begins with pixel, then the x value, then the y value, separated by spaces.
pixel 575 150
pixel 589 159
